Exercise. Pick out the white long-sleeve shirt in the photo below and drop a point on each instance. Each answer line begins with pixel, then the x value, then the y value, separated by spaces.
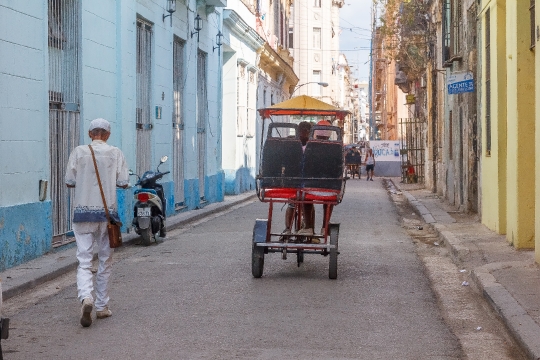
pixel 80 173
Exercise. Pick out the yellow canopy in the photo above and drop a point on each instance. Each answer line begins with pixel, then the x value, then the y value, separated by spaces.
pixel 303 105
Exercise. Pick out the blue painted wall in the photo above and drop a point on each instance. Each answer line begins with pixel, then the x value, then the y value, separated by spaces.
pixel 25 233
pixel 239 180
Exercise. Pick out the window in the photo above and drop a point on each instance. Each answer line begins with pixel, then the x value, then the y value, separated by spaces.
pixel 291 38
pixel 316 79
pixel 488 83
pixel 452 27
pixel 317 3
pixel 533 24
pixel 316 38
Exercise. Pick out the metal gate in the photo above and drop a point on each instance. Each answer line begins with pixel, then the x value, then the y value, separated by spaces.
pixel 412 148
pixel 177 123
pixel 144 76
pixel 64 130
pixel 202 107
pixel 64 117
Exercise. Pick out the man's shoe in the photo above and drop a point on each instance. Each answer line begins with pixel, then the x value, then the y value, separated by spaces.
pixel 305 232
pixel 284 234
pixel 105 313
pixel 86 312
pixel 371 179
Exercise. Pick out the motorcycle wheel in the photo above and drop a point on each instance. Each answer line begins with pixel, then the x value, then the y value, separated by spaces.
pixel 146 235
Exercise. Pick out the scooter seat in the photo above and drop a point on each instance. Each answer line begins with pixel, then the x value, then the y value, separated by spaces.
pixel 152 191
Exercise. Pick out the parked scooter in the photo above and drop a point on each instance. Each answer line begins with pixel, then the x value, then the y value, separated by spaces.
pixel 149 210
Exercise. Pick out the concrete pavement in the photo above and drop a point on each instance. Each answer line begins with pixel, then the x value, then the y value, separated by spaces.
pixel 507 278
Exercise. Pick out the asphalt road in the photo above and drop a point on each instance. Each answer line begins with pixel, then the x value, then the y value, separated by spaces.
pixel 193 297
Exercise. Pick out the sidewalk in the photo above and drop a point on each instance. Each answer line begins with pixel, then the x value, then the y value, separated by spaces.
pixel 507 278
pixel 49 266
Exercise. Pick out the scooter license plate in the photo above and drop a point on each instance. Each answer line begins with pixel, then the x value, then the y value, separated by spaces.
pixel 145 211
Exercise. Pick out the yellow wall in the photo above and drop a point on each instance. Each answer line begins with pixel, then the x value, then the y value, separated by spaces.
pixel 493 166
pixel 520 126
pixel 537 149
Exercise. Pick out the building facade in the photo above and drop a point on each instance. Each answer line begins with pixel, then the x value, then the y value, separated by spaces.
pixel 155 79
pixel 314 44
pixel 508 114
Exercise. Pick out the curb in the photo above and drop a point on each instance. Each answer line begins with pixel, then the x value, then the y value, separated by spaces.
pixel 516 319
pixel 524 329
pixel 65 260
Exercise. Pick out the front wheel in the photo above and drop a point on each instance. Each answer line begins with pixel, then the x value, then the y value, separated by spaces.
pixel 332 263
pixel 146 235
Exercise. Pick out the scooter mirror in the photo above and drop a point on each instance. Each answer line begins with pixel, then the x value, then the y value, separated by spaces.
pixel 163 159
pixel 131 172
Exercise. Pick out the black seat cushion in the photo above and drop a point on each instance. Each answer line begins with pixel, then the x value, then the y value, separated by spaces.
pixel 281 161
pixel 323 165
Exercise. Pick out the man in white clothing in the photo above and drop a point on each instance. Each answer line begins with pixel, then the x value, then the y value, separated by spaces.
pixel 89 219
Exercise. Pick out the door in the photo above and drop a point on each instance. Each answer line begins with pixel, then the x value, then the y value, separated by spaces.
pixel 202 114
pixel 178 123
pixel 144 78
pixel 64 116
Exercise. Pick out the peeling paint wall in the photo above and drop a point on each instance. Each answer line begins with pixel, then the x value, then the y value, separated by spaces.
pixel 25 233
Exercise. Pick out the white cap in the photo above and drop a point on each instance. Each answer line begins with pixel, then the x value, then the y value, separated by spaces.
pixel 100 123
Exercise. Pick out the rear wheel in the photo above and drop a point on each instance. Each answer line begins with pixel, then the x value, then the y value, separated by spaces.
pixel 332 263
pixel 146 235
pixel 257 260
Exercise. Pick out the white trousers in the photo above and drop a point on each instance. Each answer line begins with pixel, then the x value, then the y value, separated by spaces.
pixel 86 234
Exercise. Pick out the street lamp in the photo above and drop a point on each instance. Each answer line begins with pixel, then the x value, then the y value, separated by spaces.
pixel 323 84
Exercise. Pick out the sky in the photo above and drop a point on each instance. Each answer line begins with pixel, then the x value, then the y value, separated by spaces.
pixel 355 23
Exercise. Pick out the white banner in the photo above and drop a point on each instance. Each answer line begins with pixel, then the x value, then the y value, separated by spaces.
pixel 387 150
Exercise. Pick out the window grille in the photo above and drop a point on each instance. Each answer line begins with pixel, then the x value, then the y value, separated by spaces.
pixel 202 109
pixel 64 53
pixel 144 78
pixel 178 123
pixel 446 33
pixel 533 24
pixel 457 20
pixel 316 38
pixel 488 82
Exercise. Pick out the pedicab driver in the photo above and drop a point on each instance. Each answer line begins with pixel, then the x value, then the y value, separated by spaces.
pixel 89 219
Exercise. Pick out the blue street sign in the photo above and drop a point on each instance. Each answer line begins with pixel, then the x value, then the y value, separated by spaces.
pixel 460 83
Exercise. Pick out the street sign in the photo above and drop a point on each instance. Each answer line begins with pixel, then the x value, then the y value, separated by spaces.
pixel 460 83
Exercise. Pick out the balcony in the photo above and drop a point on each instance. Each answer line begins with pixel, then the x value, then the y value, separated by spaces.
pixel 215 3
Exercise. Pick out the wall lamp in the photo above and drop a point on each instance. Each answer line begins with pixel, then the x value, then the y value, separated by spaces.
pixel 219 41
pixel 171 7
pixel 198 27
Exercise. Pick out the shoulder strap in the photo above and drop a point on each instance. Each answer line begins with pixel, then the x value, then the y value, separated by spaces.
pixel 99 183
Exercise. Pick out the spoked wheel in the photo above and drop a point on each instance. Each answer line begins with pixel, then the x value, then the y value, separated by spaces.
pixel 146 235
pixel 332 263
pixel 257 260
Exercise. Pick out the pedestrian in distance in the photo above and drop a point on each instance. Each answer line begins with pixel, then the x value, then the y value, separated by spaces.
pixel 370 164
pixel 89 219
